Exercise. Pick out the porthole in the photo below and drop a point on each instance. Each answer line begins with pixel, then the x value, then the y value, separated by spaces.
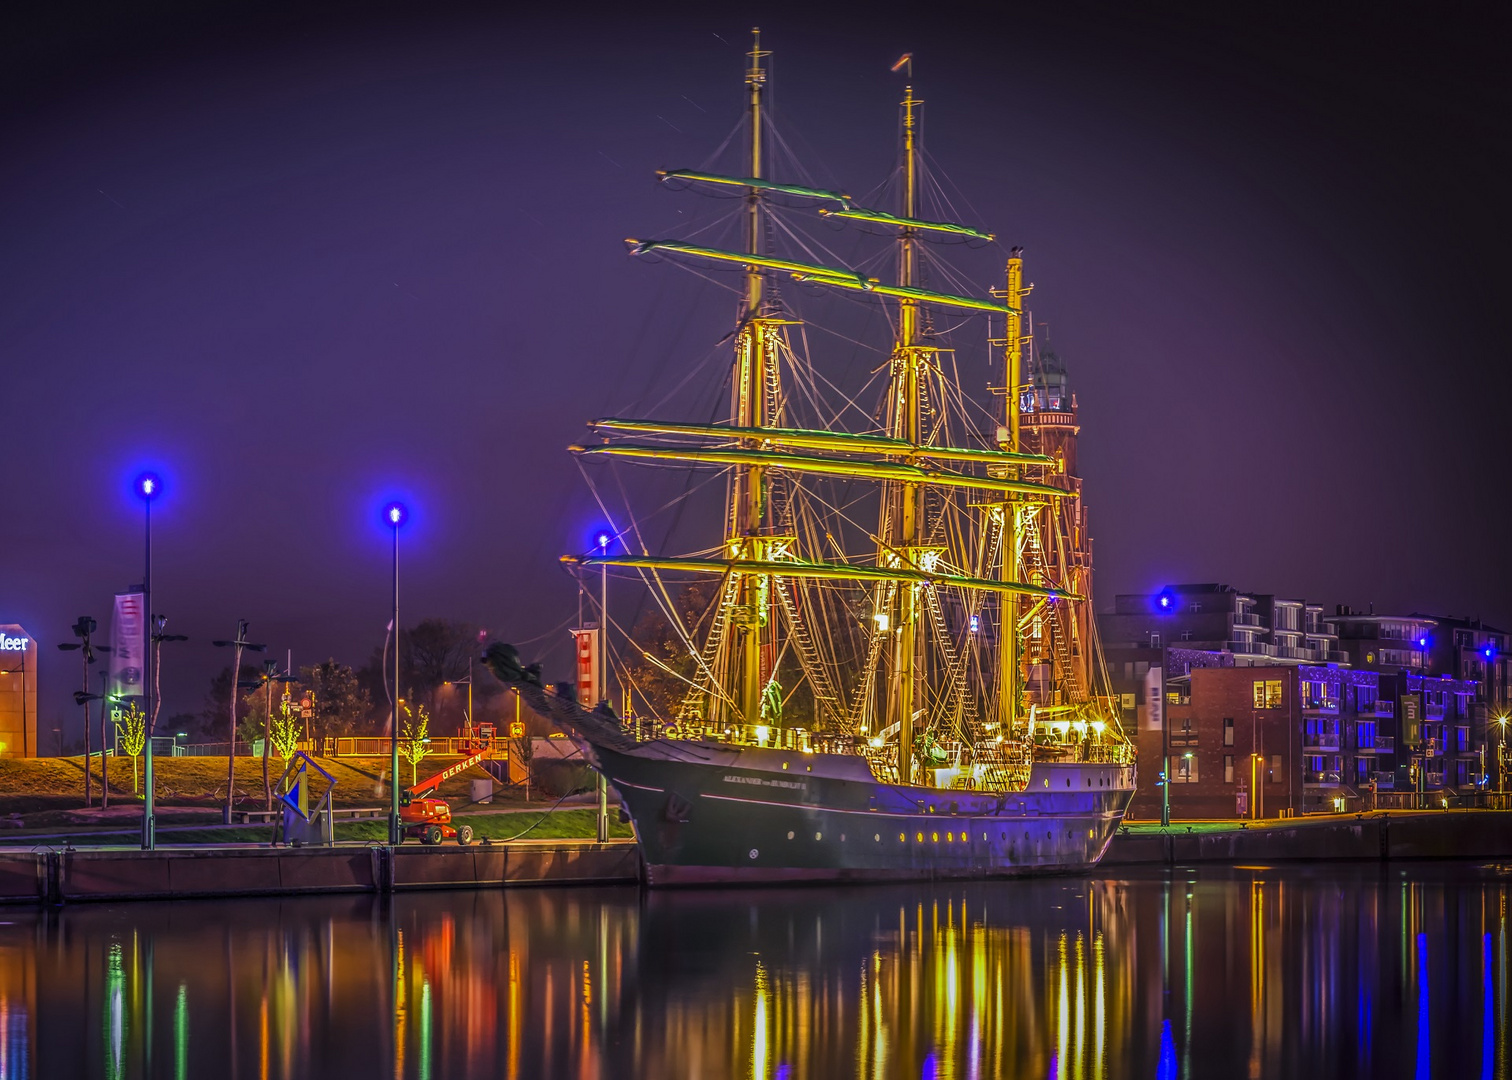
pixel 784 764
pixel 934 837
pixel 818 836
pixel 919 838
pixel 901 838
pixel 984 838
pixel 790 834
pixel 754 853
pixel 878 838
pixel 950 838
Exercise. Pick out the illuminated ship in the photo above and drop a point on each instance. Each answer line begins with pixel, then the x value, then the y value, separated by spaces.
pixel 914 580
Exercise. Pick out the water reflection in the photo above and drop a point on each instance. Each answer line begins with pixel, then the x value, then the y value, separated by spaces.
pixel 1260 972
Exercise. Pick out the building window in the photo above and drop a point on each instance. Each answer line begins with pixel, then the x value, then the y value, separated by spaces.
pixel 1228 731
pixel 1268 694
pixel 1228 768
pixel 1154 641
pixel 1186 770
pixel 1275 768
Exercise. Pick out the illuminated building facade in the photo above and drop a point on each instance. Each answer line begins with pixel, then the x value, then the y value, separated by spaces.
pixel 1267 706
pixel 18 692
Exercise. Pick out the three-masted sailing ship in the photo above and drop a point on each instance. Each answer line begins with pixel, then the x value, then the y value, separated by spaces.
pixel 917 577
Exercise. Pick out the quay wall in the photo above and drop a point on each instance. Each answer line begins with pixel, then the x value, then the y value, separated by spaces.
pixel 69 876
pixel 1436 834
pixel 49 876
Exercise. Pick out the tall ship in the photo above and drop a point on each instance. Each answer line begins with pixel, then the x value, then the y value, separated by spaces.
pixel 885 664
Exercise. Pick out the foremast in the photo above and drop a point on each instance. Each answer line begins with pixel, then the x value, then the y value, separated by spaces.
pixel 902 538
pixel 753 403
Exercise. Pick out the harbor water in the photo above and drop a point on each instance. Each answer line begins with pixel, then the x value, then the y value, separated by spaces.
pixel 1379 969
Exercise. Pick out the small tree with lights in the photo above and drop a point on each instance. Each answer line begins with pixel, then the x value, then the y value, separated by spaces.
pixel 285 727
pixel 414 738
pixel 131 735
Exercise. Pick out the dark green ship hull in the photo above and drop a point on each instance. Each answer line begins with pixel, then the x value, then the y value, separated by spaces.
pixel 709 813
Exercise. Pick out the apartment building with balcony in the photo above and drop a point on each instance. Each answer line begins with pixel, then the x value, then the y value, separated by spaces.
pixel 1256 628
pixel 1199 667
pixel 1451 676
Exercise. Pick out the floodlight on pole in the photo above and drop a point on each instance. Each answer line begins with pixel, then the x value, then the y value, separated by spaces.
pixel 395 514
pixel 147 486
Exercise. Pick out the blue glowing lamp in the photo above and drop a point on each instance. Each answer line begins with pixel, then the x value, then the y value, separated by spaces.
pixel 1422 642
pixel 147 486
pixel 602 539
pixel 1165 600
pixel 395 514
pixel 1489 651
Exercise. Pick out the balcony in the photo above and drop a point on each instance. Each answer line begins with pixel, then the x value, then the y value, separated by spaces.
pixel 1321 779
pixel 1247 620
pixel 1435 779
pixel 1385 744
pixel 1384 781
pixel 1294 652
pixel 1382 708
pixel 1321 740
pixel 1337 656
pixel 1321 705
pixel 1250 648
pixel 1433 712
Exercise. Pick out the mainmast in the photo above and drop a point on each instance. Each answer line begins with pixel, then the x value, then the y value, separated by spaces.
pixel 1008 632
pixel 754 349
pixel 908 357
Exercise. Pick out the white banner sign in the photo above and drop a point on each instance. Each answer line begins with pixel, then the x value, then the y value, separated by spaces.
pixel 587 642
pixel 1154 689
pixel 128 646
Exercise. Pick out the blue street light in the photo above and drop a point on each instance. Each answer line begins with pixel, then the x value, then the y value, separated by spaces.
pixel 1165 601
pixel 395 514
pixel 147 486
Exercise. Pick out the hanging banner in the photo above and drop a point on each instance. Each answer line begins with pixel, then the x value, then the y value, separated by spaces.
pixel 1154 690
pixel 587 642
pixel 128 645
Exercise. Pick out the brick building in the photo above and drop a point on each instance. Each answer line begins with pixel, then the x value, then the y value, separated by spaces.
pixel 1262 709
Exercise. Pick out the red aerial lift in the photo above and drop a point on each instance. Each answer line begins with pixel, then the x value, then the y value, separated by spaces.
pixel 429 820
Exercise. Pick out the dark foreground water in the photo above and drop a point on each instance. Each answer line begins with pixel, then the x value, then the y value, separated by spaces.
pixel 1396 970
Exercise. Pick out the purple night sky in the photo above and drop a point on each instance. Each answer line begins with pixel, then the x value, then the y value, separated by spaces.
pixel 300 258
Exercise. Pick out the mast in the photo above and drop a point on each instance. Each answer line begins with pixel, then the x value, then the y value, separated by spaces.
pixel 906 361
pixel 1008 645
pixel 753 348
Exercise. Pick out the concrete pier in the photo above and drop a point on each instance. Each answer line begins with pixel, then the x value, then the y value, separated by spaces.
pixel 70 876
pixel 1429 834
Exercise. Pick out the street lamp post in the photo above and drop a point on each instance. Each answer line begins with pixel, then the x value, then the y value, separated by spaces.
pixel 83 627
pixel 237 645
pixel 604 538
pixel 155 640
pixel 148 486
pixel 394 514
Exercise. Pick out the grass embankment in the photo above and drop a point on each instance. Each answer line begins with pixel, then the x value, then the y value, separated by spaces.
pixel 43 801
pixel 28 785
